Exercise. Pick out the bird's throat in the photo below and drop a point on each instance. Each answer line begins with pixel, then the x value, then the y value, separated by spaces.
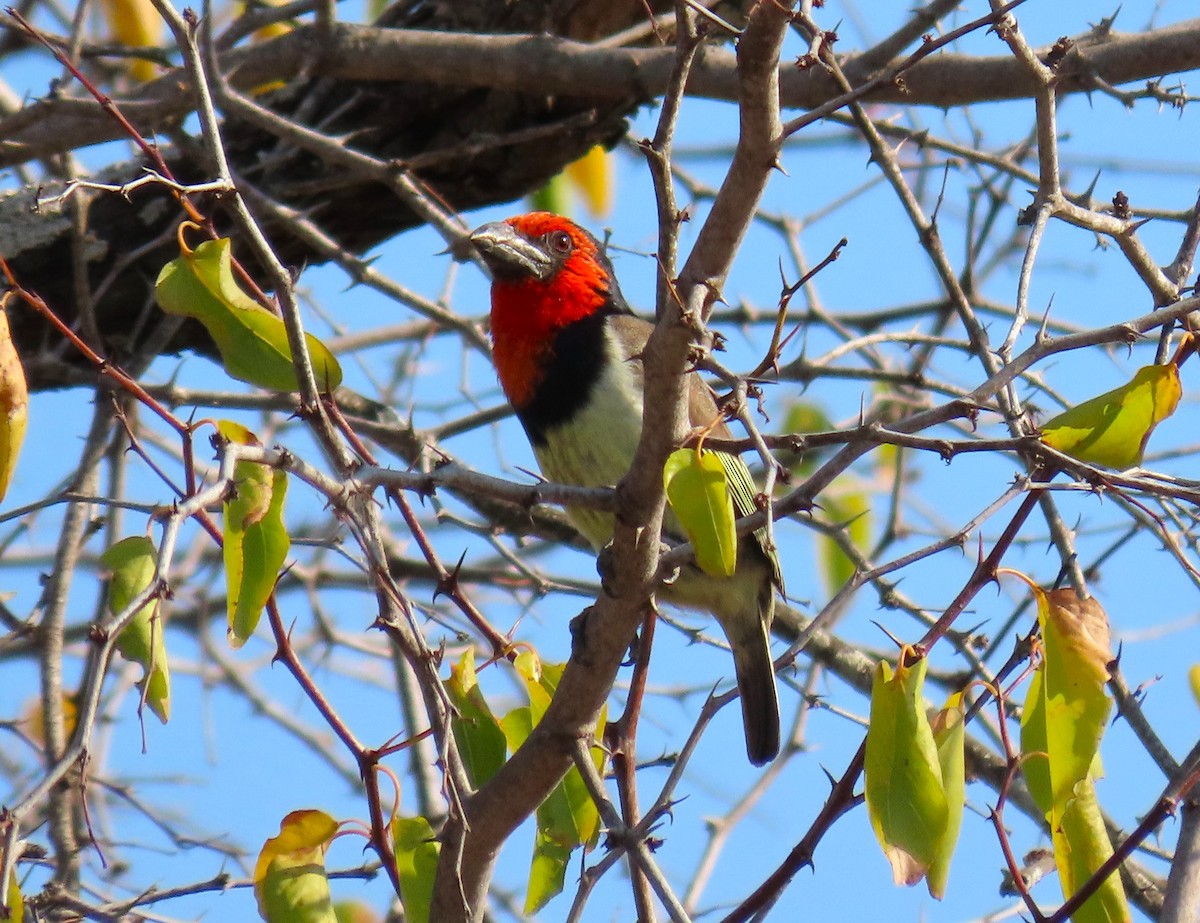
pixel 548 338
pixel 550 381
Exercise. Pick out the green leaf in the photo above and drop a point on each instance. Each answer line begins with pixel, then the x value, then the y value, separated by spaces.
pixel 1066 711
pixel 949 737
pixel 1081 846
pixel 479 736
pixel 554 196
pixel 801 418
pixel 290 883
pixel 843 506
pixel 547 870
pixel 416 848
pixel 1067 706
pixel 256 542
pixel 1113 429
pixel 1036 769
pixel 698 492
pixel 568 817
pixel 252 341
pixel 591 177
pixel 131 563
pixel 905 799
pixel 354 912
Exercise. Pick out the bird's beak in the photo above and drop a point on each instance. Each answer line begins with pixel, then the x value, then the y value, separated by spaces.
pixel 510 255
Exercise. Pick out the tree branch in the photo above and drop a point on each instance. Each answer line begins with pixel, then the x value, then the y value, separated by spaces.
pixel 559 66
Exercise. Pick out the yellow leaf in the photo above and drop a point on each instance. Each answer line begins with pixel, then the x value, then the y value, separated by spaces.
pixel 906 802
pixel 265 33
pixel 131 563
pixel 16 904
pixel 252 341
pixel 1194 680
pixel 275 29
pixel 135 23
pixel 35 718
pixel 1113 429
pixel 698 491
pixel 290 883
pixel 592 175
pixel 529 665
pixel 14 404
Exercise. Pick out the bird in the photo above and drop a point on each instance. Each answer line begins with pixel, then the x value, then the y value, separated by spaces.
pixel 567 351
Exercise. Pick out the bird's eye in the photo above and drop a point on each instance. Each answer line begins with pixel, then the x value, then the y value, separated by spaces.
pixel 560 242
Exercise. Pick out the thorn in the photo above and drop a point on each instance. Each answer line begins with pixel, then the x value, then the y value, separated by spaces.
pixel 1041 334
pixel 449 584
pixel 533 474
pixel 891 637
pixel 1103 28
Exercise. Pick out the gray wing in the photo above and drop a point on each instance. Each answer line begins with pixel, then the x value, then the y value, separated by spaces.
pixel 631 335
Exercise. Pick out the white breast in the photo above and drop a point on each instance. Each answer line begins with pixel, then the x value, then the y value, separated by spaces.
pixel 595 448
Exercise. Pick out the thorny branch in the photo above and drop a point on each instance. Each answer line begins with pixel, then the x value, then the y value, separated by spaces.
pixel 954 376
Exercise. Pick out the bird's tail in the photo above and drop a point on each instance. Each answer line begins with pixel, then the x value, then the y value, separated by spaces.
pixel 756 684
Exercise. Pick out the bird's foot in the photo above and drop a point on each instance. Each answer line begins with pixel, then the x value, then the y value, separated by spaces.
pixel 669 574
pixel 606 567
pixel 579 644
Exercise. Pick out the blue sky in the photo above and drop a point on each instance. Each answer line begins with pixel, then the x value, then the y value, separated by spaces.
pixel 242 773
